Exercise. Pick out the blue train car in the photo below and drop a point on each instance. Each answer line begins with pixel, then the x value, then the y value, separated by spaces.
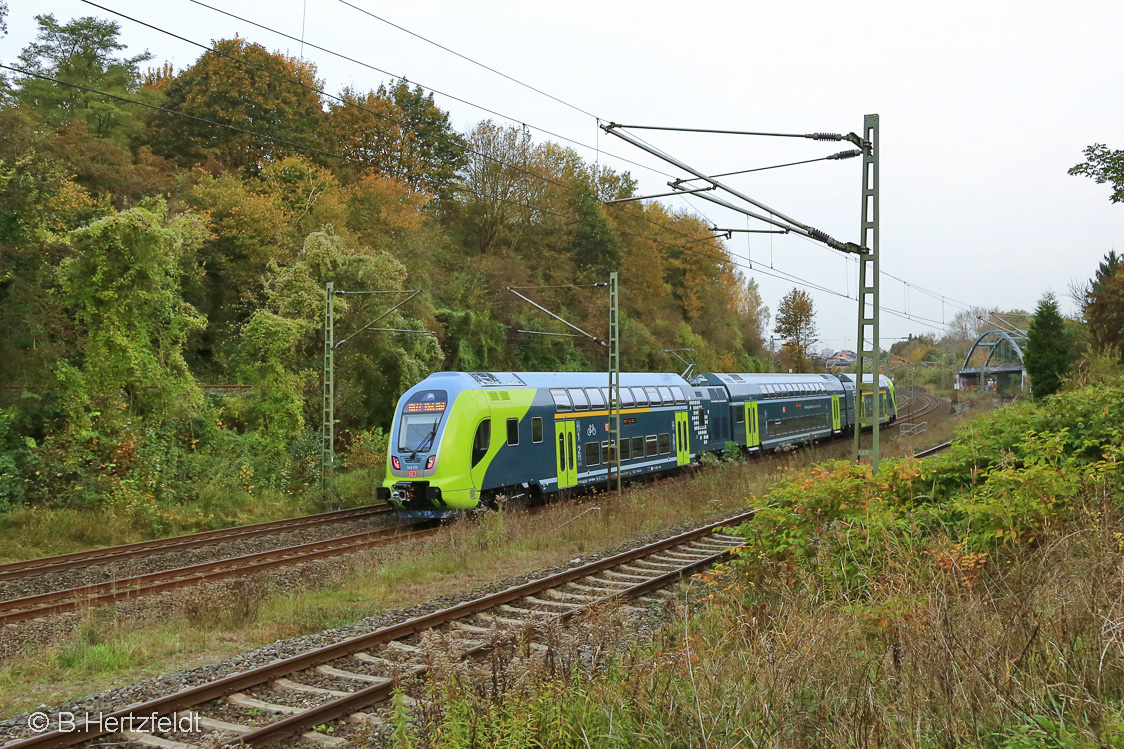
pixel 461 439
pixel 772 410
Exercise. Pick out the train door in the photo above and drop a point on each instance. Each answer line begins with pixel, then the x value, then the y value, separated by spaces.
pixel 682 439
pixel 836 416
pixel 752 425
pixel 566 453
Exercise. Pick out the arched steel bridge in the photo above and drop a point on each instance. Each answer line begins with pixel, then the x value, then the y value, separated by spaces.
pixel 1004 358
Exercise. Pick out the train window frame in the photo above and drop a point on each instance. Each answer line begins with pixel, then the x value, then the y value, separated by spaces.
pixel 667 395
pixel 512 433
pixel 483 435
pixel 626 449
pixel 665 443
pixel 627 401
pixel 680 398
pixel 637 447
pixel 600 397
pixel 592 459
pixel 651 447
pixel 536 429
pixel 558 394
pixel 574 393
pixel 739 413
pixel 654 398
pixel 641 396
pixel 607 452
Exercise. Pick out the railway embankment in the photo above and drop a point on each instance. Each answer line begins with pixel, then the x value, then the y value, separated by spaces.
pixel 971 599
pixel 52 659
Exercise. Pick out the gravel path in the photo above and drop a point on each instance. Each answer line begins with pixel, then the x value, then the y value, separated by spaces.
pixel 118 698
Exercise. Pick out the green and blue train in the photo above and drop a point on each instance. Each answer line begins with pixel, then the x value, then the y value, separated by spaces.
pixel 461 439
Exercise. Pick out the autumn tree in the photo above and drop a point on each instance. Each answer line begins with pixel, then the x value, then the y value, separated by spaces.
pixel 1102 304
pixel 269 96
pixel 796 326
pixel 1048 349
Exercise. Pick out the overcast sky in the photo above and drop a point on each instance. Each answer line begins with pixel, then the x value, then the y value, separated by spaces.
pixel 983 106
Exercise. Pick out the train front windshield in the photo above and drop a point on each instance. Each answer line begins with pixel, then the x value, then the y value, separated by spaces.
pixel 421 417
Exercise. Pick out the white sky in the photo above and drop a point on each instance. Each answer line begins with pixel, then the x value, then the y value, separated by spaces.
pixel 984 106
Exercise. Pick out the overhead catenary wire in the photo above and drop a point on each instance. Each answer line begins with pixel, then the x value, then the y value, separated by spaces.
pixel 469 59
pixel 313 149
pixel 383 116
pixel 453 97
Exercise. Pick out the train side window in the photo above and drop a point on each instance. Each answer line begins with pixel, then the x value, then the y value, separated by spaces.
pixel 626 452
pixel 641 397
pixel 596 399
pixel 739 412
pixel 665 444
pixel 561 399
pixel 607 450
pixel 513 431
pixel 665 393
pixel 680 399
pixel 627 401
pixel 536 429
pixel 653 395
pixel 638 447
pixel 481 442
pixel 581 402
pixel 650 447
pixel 592 453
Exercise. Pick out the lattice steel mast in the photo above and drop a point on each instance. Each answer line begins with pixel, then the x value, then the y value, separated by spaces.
pixel 867 359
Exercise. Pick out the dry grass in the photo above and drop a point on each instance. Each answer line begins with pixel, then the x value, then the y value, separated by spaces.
pixel 214 622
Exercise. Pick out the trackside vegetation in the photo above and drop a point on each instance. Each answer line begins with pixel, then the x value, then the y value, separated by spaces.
pixel 971 599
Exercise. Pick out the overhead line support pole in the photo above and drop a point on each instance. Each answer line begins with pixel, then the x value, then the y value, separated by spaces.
pixel 328 411
pixel 614 384
pixel 867 360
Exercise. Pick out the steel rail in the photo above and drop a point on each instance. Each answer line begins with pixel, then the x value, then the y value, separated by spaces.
pixel 344 706
pixel 59 601
pixel 186 698
pixel 110 554
pixel 933 450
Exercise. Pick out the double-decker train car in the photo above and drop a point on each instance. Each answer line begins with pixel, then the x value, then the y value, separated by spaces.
pixel 463 438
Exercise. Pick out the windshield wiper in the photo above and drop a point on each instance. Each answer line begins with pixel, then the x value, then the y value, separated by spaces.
pixel 427 438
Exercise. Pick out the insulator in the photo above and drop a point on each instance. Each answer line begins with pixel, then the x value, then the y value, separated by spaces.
pixel 819 235
pixel 846 154
pixel 826 136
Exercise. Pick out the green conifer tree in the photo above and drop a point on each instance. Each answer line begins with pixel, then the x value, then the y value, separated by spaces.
pixel 1049 349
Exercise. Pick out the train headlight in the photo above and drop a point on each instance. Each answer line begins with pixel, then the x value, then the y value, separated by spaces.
pixel 430 463
pixel 395 463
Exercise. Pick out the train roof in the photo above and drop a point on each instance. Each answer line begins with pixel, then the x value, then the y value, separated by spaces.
pixel 750 384
pixel 466 380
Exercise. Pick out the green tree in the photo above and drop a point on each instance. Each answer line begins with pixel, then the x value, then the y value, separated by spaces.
pixel 597 246
pixel 796 325
pixel 1103 303
pixel 440 150
pixel 264 97
pixel 1103 165
pixel 1049 349
pixel 82 52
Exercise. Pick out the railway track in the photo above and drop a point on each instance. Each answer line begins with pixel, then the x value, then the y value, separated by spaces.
pixel 289 698
pixel 114 554
pixel 86 596
pixel 928 404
